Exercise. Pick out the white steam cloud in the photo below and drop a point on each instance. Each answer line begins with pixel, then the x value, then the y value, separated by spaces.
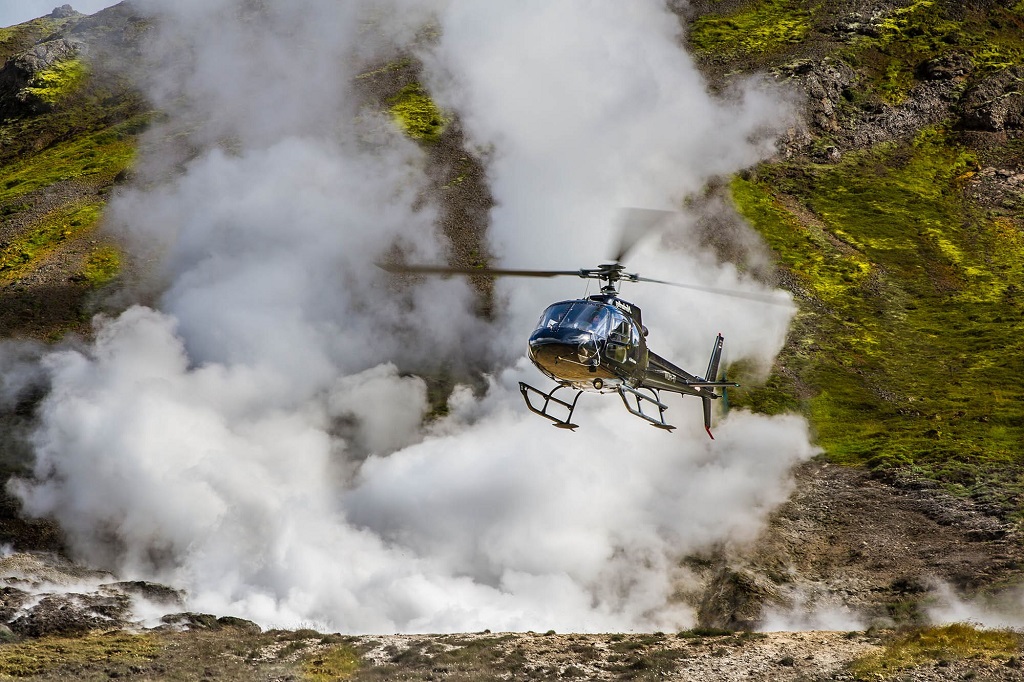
pixel 807 610
pixel 254 438
pixel 1001 610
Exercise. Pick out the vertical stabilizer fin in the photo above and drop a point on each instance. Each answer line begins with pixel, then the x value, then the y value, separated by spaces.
pixel 712 375
pixel 716 356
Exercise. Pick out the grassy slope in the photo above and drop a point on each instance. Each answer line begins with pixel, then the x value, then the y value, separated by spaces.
pixel 908 349
pixel 83 134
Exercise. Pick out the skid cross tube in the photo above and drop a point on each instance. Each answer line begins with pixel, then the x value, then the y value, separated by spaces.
pixel 640 399
pixel 549 398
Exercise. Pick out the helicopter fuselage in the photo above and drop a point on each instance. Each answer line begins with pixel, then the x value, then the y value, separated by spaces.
pixel 593 344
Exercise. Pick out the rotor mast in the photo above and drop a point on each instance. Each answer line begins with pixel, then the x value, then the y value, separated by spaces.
pixel 610 274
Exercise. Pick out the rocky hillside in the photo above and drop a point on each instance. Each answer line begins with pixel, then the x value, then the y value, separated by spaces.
pixel 894 215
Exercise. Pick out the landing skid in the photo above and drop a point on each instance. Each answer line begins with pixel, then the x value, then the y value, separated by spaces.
pixel 641 400
pixel 549 398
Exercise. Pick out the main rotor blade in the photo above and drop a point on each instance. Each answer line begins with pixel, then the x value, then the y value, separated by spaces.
pixel 634 224
pixel 492 272
pixel 749 295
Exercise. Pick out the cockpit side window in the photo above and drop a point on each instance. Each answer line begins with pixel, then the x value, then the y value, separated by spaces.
pixel 620 334
pixel 620 340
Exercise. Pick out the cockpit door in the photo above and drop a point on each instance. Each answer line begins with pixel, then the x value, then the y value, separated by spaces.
pixel 621 346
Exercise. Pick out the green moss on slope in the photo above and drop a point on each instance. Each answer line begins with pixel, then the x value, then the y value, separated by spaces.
pixel 25 251
pixel 927 646
pixel 338 663
pixel 95 158
pixel 59 81
pixel 989 39
pixel 101 265
pixel 762 27
pixel 911 342
pixel 49 654
pixel 416 114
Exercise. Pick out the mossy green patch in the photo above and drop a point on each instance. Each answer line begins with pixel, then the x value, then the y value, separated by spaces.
pixel 909 348
pixel 59 81
pixel 95 158
pixel 52 654
pixel 925 646
pixel 762 27
pixel 101 265
pixel 416 114
pixel 25 252
pixel 991 39
pixel 336 663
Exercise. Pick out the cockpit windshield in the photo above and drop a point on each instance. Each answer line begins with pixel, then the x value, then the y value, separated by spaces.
pixel 582 315
pixel 552 317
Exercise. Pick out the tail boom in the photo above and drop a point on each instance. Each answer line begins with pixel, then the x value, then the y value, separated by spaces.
pixel 664 375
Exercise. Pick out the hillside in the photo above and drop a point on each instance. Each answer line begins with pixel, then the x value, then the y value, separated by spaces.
pixel 892 212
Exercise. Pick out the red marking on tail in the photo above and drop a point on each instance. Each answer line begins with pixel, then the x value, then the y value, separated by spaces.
pixel 708 429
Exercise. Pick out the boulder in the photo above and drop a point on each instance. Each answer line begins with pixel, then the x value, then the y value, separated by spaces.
pixel 735 599
pixel 946 67
pixel 996 104
pixel 63 12
pixel 72 614
pixel 825 82
pixel 153 592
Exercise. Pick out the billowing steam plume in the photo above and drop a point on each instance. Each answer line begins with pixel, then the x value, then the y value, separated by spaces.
pixel 255 438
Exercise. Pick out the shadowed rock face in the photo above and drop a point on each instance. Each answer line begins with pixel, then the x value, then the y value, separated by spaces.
pixel 19 71
pixel 44 594
pixel 875 549
pixel 996 104
pixel 72 615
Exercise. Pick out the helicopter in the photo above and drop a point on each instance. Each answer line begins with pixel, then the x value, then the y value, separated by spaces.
pixel 599 345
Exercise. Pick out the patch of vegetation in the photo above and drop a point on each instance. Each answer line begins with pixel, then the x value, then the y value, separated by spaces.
pixel 416 114
pixel 957 642
pixel 338 663
pixel 697 633
pixel 96 158
pixel 101 265
pixel 48 654
pixel 989 39
pixel 25 251
pixel 58 82
pixel 909 350
pixel 484 658
pixel 762 27
pixel 650 664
